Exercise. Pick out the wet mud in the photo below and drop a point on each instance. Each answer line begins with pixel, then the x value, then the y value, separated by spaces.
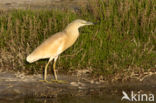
pixel 17 85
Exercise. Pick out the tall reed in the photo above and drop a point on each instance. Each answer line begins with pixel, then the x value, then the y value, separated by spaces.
pixel 122 41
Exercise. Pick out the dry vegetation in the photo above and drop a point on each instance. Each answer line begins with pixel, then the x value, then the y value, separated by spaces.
pixel 121 43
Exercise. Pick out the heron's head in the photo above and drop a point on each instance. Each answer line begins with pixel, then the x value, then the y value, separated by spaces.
pixel 80 23
pixel 76 24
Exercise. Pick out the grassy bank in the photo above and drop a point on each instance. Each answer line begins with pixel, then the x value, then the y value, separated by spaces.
pixel 123 40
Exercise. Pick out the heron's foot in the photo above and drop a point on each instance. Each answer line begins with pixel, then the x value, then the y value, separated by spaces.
pixel 45 81
pixel 59 81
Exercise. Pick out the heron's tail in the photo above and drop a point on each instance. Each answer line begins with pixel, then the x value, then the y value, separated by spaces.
pixel 31 59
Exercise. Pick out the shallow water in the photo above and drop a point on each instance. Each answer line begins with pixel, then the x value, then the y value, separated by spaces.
pixel 68 99
pixel 12 87
pixel 73 99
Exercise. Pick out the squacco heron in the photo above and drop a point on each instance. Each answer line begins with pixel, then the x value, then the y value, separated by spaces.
pixel 56 44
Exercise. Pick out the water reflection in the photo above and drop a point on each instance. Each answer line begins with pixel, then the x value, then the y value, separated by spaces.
pixel 68 99
pixel 72 99
pixel 86 99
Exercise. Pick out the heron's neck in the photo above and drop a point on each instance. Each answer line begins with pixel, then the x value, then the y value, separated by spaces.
pixel 72 30
pixel 72 34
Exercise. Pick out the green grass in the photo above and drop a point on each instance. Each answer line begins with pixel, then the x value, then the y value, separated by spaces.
pixel 122 41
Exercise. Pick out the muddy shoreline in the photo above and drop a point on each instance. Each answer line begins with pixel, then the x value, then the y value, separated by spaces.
pixel 14 86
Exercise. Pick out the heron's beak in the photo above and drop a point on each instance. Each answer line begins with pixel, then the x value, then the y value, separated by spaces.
pixel 89 23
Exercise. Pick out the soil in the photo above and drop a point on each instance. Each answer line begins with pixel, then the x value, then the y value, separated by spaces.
pixel 17 85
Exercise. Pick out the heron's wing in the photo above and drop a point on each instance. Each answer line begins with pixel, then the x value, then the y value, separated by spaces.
pixel 50 47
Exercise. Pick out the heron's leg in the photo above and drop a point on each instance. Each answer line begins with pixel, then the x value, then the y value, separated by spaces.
pixel 45 72
pixel 55 75
pixel 54 65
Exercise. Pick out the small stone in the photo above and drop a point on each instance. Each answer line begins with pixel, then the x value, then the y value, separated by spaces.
pixel 74 84
pixel 97 82
pixel 92 81
pixel 81 87
pixel 17 91
pixel 81 84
